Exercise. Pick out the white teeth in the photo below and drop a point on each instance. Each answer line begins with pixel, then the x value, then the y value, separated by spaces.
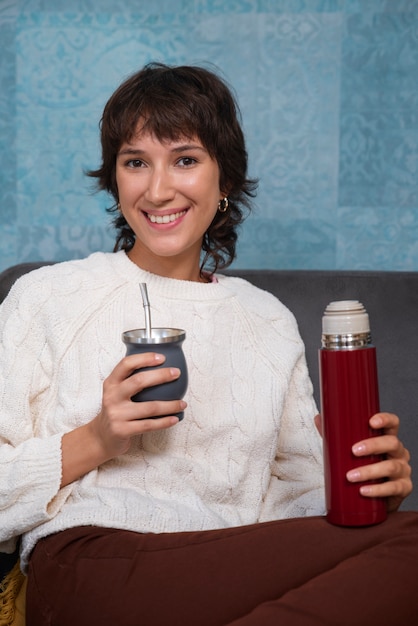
pixel 165 219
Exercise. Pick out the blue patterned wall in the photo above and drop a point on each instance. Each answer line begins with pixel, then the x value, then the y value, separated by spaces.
pixel 329 95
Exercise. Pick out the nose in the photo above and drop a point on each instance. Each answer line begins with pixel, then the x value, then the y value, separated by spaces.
pixel 160 188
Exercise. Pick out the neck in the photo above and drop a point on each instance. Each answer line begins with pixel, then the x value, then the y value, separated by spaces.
pixel 169 267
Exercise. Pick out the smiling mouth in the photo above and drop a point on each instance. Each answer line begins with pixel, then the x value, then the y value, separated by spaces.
pixel 165 219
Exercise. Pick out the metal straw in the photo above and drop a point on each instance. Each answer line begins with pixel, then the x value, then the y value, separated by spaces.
pixel 145 301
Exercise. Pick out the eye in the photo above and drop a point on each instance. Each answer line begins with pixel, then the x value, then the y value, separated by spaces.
pixel 187 161
pixel 134 163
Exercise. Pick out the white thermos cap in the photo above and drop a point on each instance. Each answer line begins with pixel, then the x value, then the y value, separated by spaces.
pixel 345 317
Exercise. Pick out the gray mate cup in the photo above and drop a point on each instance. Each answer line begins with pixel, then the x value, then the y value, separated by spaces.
pixel 167 341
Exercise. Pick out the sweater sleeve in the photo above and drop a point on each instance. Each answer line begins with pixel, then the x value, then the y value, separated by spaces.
pixel 30 465
pixel 296 484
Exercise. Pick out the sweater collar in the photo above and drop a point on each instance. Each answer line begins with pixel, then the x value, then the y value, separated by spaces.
pixel 169 287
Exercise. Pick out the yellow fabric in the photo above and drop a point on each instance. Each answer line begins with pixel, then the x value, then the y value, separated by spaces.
pixel 13 598
pixel 20 606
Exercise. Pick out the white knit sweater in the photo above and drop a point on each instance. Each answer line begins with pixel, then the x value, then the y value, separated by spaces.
pixel 246 451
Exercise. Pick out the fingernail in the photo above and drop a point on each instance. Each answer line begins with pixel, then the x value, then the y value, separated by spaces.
pixel 353 475
pixel 159 357
pixel 174 371
pixel 376 421
pixel 359 448
pixel 183 404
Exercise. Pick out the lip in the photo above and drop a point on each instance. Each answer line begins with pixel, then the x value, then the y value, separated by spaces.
pixel 164 218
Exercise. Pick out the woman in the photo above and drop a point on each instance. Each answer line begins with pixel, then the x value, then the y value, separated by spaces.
pixel 128 519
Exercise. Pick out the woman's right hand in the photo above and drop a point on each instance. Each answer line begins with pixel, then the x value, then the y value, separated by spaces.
pixel 120 418
pixel 109 434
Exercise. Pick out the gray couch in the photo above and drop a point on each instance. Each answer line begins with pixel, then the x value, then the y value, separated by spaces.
pixel 391 299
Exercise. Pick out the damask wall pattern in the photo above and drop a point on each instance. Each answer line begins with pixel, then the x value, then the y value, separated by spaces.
pixel 328 91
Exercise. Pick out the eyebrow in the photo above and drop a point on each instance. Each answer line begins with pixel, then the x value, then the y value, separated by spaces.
pixel 182 148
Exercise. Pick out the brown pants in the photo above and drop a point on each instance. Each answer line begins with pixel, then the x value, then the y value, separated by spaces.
pixel 297 572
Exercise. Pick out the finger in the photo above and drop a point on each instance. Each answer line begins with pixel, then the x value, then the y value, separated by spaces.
pixel 318 423
pixel 144 416
pixel 133 362
pixel 150 378
pixel 398 489
pixel 388 469
pixel 389 422
pixel 115 391
pixel 379 445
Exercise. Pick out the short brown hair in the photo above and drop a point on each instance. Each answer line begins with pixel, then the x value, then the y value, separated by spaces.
pixel 176 102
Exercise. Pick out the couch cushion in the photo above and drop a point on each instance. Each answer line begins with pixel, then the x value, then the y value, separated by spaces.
pixel 9 275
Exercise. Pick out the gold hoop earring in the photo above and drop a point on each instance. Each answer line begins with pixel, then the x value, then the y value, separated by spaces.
pixel 223 205
pixel 119 207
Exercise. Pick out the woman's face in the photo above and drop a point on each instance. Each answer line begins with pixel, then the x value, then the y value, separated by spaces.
pixel 169 194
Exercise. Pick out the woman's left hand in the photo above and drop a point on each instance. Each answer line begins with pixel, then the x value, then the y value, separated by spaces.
pixel 394 467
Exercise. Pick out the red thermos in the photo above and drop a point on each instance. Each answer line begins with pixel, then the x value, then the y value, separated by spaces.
pixel 349 397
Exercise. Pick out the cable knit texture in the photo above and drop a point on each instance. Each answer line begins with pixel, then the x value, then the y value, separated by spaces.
pixel 246 451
